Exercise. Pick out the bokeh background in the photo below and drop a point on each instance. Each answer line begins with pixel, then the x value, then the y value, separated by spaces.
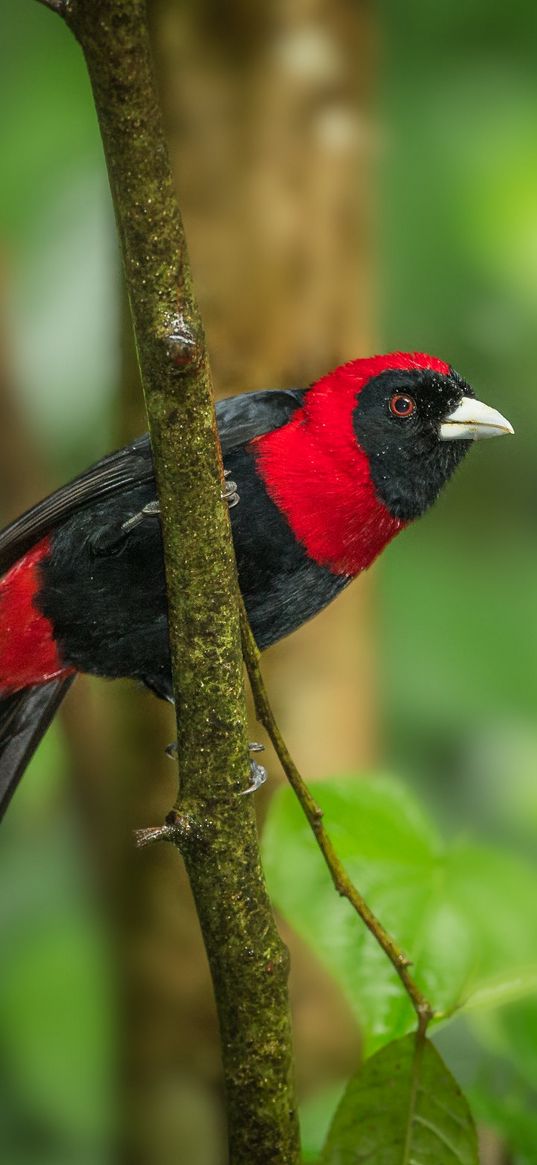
pixel 354 178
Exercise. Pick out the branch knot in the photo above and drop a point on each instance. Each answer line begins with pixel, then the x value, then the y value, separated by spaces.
pixel 176 828
pixel 184 347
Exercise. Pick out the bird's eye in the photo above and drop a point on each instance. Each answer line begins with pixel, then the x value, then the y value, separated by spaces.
pixel 402 405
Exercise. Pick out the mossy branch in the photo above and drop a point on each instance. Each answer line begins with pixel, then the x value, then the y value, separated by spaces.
pixel 248 961
pixel 314 815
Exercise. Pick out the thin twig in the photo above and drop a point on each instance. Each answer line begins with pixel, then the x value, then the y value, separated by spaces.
pixel 314 815
pixel 176 829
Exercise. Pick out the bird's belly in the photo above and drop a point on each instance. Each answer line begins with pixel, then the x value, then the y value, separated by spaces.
pixel 290 600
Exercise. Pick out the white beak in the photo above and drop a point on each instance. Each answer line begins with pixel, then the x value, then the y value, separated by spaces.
pixel 472 420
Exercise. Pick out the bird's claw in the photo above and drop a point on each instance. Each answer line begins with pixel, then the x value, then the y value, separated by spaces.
pixel 148 511
pixel 258 772
pixel 111 541
pixel 229 492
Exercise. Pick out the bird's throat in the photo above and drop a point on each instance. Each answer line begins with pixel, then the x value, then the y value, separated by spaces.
pixel 319 478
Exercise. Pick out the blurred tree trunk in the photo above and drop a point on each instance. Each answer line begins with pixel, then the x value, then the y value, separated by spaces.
pixel 270 106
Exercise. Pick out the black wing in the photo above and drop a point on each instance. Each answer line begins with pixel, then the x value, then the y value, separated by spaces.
pixel 24 718
pixel 240 418
pixel 127 467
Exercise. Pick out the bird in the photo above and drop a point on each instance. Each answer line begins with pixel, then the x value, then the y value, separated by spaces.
pixel 318 480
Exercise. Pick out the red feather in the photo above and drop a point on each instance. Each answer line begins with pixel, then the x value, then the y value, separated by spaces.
pixel 28 653
pixel 317 474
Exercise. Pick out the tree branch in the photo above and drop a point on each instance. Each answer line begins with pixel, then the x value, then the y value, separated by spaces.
pixel 313 812
pixel 249 963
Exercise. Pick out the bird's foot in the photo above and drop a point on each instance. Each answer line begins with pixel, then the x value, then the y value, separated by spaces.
pixel 257 772
pixel 147 511
pixel 229 492
pixel 111 541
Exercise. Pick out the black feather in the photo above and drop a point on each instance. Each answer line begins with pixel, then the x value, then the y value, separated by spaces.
pixel 240 418
pixel 24 718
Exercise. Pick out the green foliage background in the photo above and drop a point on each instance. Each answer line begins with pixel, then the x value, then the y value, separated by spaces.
pixel 458 658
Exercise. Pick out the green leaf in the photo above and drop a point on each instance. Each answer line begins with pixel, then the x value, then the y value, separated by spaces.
pixel 507 989
pixel 463 913
pixel 402 1108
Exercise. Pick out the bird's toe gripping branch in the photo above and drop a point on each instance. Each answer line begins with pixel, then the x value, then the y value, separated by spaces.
pixel 258 772
pixel 149 511
pixel 229 492
pixel 110 540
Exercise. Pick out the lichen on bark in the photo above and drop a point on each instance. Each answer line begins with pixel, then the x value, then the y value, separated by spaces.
pixel 220 848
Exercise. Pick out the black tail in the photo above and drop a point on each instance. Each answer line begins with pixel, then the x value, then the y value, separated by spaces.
pixel 24 719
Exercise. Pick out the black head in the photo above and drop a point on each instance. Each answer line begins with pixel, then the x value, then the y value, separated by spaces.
pixel 404 421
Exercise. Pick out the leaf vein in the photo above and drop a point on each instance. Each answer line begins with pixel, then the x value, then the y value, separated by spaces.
pixel 438 1134
pixel 443 1108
